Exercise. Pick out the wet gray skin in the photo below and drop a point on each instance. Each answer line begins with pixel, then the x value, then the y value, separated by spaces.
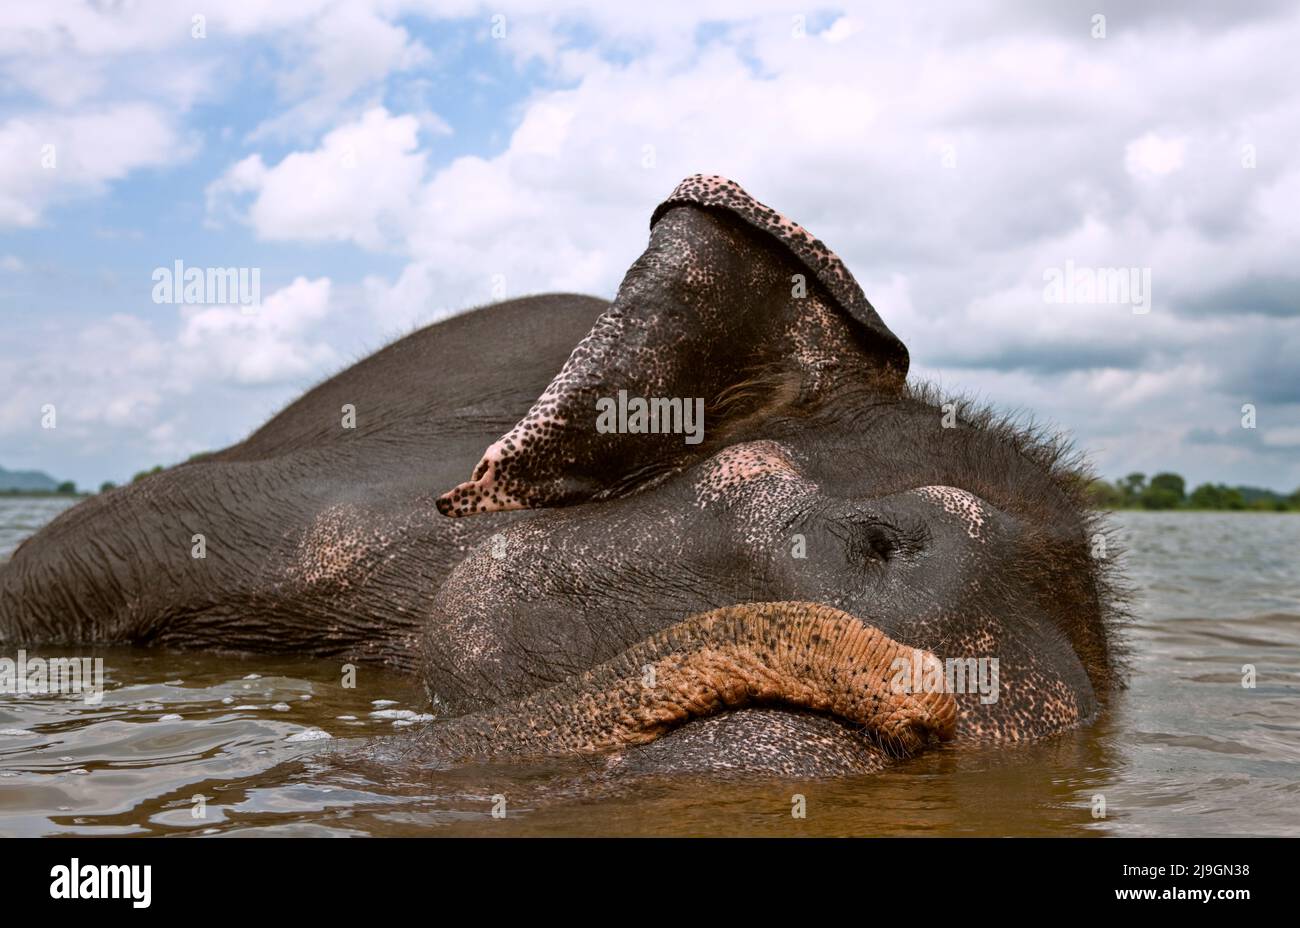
pixel 531 584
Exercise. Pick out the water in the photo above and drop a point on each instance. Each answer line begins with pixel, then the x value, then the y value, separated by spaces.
pixel 22 516
pixel 1185 750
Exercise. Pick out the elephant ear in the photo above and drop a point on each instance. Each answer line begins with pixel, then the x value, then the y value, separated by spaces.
pixel 726 289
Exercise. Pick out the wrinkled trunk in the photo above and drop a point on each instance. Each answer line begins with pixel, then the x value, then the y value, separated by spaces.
pixel 726 289
pixel 800 655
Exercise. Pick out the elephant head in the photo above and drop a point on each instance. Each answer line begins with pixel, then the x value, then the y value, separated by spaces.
pixel 823 485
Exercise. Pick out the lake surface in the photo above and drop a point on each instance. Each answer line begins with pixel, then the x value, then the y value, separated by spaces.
pixel 1185 750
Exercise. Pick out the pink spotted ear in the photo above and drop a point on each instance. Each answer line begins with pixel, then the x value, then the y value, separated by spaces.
pixel 726 287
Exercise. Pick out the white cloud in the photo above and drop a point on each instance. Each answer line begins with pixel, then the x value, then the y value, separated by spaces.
pixel 357 186
pixel 345 50
pixel 122 380
pixel 412 299
pixel 843 28
pixel 1154 155
pixel 1282 437
pixel 271 344
pixel 45 159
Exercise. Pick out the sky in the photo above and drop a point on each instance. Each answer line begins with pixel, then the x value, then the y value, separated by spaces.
pixel 385 164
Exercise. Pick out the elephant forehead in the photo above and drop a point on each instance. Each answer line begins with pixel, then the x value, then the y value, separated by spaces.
pixel 739 466
pixel 966 506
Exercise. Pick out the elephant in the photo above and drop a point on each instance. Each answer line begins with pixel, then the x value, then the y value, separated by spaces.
pixel 709 526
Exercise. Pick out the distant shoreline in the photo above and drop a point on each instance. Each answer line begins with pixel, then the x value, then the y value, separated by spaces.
pixel 42 494
pixel 1168 492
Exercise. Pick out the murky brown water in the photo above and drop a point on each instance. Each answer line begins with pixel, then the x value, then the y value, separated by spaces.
pixel 1186 750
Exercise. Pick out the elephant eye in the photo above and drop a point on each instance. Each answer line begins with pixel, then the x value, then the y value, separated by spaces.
pixel 877 542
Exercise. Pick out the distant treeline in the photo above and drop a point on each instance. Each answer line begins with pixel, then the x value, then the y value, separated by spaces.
pixel 140 475
pixel 66 488
pixel 69 487
pixel 1169 491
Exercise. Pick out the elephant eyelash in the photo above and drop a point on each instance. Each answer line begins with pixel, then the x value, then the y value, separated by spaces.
pixel 879 544
pixel 867 541
pixel 881 541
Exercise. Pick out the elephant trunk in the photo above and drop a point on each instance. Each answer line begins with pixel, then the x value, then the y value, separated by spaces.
pixel 801 655
pixel 726 289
